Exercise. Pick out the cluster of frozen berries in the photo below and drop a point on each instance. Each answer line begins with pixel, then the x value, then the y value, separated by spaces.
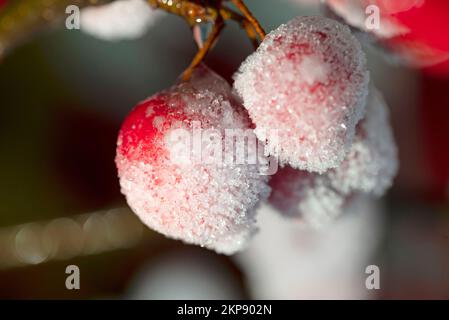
pixel 305 95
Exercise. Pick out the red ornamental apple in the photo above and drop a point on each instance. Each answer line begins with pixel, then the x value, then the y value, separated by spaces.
pixel 369 168
pixel 416 30
pixel 206 202
pixel 305 89
pixel 426 40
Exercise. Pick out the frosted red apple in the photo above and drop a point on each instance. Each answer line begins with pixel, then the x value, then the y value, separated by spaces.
pixel 369 168
pixel 305 89
pixel 416 30
pixel 210 204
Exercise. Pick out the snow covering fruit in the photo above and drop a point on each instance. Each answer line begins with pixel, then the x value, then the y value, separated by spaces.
pixel 369 168
pixel 305 89
pixel 200 200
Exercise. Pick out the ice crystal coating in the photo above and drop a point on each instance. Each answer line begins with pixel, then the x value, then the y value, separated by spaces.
pixel 369 168
pixel 121 19
pixel 306 195
pixel 208 202
pixel 305 89
pixel 372 162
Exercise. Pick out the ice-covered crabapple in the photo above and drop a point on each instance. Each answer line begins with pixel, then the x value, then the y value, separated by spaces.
pixel 204 201
pixel 305 195
pixel 372 162
pixel 369 168
pixel 305 89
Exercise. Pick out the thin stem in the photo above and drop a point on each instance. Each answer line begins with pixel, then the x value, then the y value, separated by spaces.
pixel 249 16
pixel 251 33
pixel 198 11
pixel 202 52
pixel 229 14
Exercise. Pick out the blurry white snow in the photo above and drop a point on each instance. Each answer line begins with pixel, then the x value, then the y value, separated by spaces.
pixel 181 276
pixel 287 260
pixel 119 20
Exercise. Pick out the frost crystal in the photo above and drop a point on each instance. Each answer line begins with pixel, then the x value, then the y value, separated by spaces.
pixel 209 203
pixel 305 89
pixel 369 168
pixel 121 19
pixel 307 195
pixel 372 162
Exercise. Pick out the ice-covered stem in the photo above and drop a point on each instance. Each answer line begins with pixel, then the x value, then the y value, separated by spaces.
pixel 21 19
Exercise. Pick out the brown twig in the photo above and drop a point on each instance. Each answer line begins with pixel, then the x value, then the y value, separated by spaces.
pixel 213 36
pixel 196 12
pixel 249 16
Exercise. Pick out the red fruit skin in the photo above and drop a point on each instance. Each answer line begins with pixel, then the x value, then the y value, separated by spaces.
pixel 428 28
pixel 207 204
pixel 420 28
pixel 138 135
pixel 425 19
pixel 428 23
